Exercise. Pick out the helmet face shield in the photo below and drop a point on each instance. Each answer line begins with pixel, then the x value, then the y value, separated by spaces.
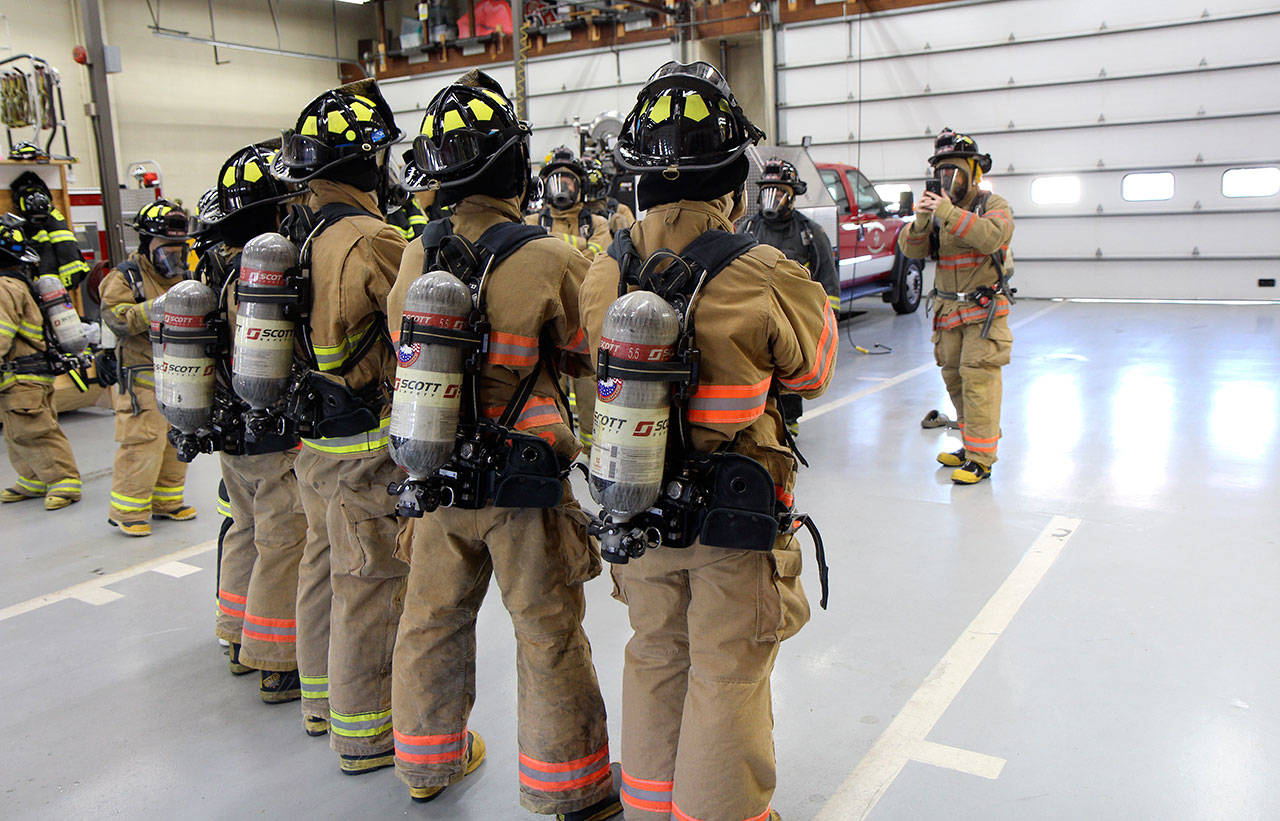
pixel 455 148
pixel 170 259
pixel 774 201
pixel 561 189
pixel 298 151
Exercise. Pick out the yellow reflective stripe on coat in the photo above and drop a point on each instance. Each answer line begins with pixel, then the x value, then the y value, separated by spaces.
pixel 119 500
pixel 7 329
pixel 10 379
pixel 367 442
pixel 61 235
pixel 332 357
pixel 360 725
pixel 31 331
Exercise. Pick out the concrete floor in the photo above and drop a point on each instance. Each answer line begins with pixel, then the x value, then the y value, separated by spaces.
pixel 1133 677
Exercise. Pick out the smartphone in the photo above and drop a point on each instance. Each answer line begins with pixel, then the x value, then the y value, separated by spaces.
pixel 933 186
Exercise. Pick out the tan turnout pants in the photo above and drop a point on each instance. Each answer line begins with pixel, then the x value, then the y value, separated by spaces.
pixel 350 594
pixel 697 711
pixel 971 370
pixel 147 475
pixel 540 559
pixel 258 580
pixel 38 449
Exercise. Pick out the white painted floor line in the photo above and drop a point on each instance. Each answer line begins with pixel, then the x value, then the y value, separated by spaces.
pixel 905 737
pixel 954 758
pixel 176 569
pixel 888 382
pixel 94 592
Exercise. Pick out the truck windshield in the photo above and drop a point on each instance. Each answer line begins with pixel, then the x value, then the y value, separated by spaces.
pixel 865 193
pixel 831 179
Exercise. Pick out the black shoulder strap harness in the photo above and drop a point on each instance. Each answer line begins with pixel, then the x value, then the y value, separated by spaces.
pixel 132 273
pixel 303 226
pixel 472 263
pixel 585 224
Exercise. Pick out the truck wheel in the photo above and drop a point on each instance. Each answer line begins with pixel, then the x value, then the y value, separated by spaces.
pixel 909 285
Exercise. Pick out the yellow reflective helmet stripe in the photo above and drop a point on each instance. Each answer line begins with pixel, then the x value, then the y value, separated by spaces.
pixel 229 177
pixel 695 108
pixel 310 127
pixel 428 126
pixel 336 122
pixel 481 109
pixel 252 171
pixel 453 119
pixel 363 108
pixel 660 110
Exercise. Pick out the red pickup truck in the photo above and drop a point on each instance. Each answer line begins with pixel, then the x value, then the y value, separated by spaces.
pixel 867 242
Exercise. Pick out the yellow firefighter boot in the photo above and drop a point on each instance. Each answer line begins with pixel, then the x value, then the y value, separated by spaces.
pixel 953 459
pixel 315 726
pixel 278 687
pixel 132 528
pixel 475 754
pixel 361 764
pixel 970 473
pixel 58 502
pixel 13 494
pixel 183 513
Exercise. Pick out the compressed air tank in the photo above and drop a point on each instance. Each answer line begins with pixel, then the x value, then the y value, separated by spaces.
pixel 185 375
pixel 60 314
pixel 263 348
pixel 629 434
pixel 428 386
pixel 156 317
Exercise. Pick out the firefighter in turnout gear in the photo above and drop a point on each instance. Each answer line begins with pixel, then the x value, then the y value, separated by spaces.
pixel 563 214
pixel 970 229
pixel 38 449
pixel 600 201
pixel 351 583
pixel 147 479
pixel 48 232
pixel 474 151
pixel 778 223
pixel 697 721
pixel 258 571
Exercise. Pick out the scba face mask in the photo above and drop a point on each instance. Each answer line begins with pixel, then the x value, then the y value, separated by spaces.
pixel 774 201
pixel 561 190
pixel 169 260
pixel 955 181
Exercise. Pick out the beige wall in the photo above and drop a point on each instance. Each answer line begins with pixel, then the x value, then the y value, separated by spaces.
pixel 171 103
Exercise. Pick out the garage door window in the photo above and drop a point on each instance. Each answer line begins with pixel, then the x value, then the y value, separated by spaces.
pixel 1251 182
pixel 1147 187
pixel 1060 189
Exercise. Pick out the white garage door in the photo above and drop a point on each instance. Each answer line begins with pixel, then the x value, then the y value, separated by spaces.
pixel 559 88
pixel 1136 141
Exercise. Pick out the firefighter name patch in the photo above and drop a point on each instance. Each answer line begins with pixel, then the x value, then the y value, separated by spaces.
pixel 607 389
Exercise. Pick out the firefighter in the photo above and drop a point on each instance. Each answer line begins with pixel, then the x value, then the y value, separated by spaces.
pixel 147 479
pixel 38 449
pixel 349 568
pixel 47 231
pixel 563 214
pixel 971 229
pixel 697 721
pixel 258 568
pixel 564 184
pixel 778 223
pixel 474 150
pixel 600 201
